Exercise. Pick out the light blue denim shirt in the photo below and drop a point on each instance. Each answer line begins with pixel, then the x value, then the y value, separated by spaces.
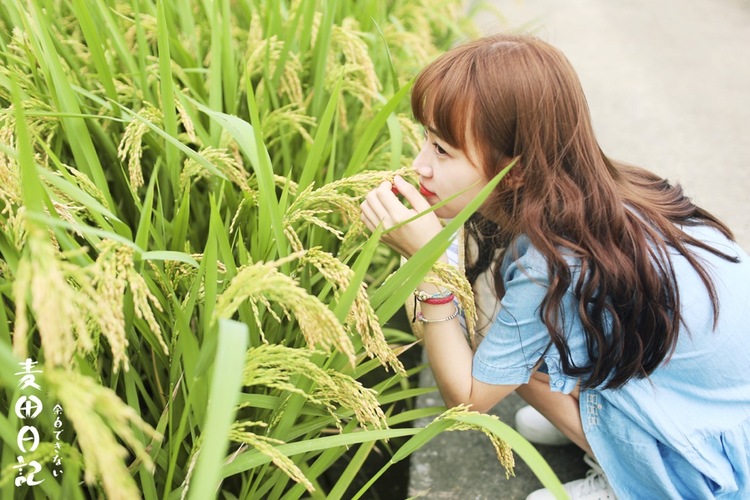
pixel 682 432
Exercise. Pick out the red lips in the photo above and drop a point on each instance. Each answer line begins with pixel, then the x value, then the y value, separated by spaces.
pixel 425 192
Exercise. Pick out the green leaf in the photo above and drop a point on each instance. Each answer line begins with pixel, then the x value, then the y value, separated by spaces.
pixel 170 255
pixel 75 129
pixel 251 459
pixel 373 129
pixel 315 155
pixel 84 15
pixel 225 389
pixel 31 189
pixel 167 95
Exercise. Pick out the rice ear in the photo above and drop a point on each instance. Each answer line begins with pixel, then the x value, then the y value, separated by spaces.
pixel 503 451
pixel 263 281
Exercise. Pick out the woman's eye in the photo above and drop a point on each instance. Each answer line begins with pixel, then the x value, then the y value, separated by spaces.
pixel 440 151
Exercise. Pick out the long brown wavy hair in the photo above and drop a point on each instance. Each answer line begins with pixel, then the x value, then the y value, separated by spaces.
pixel 517 97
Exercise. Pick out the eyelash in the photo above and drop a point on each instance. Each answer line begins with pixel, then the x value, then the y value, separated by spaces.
pixel 438 149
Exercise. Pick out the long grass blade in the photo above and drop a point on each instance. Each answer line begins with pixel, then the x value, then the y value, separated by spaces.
pixel 391 296
pixel 373 129
pixel 167 96
pixel 422 437
pixel 82 146
pixel 315 157
pixel 84 14
pixel 225 388
pixel 250 460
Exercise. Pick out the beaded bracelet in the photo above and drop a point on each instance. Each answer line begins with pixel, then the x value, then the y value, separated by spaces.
pixel 422 319
pixel 423 296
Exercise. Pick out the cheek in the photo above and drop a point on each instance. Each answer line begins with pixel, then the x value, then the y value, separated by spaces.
pixel 447 211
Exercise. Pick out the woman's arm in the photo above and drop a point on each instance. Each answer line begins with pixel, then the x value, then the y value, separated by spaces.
pixel 451 358
pixel 448 353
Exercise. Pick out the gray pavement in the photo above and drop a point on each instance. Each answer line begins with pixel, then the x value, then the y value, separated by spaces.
pixel 668 84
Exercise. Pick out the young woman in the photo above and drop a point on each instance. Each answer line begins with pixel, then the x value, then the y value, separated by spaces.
pixel 624 308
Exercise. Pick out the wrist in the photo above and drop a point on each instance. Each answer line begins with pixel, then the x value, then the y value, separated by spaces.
pixel 426 290
pixel 437 313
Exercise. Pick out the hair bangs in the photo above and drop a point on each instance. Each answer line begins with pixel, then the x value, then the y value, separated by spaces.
pixel 442 97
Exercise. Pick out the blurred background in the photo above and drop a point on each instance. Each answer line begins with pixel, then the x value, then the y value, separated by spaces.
pixel 668 85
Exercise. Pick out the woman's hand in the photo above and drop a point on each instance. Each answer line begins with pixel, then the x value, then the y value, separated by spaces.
pixel 382 206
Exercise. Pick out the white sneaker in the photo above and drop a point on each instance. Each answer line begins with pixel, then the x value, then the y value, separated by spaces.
pixel 594 487
pixel 536 428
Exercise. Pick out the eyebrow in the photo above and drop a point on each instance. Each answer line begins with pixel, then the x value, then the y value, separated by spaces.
pixel 434 132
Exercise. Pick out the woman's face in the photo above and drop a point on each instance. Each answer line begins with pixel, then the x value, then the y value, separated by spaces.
pixel 445 171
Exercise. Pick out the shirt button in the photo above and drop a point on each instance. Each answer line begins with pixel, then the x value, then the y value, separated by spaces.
pixel 559 383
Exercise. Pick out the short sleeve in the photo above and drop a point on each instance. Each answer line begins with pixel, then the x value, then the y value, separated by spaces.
pixel 517 339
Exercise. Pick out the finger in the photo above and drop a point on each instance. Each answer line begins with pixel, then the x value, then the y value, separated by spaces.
pixel 369 217
pixel 375 201
pixel 411 194
pixel 396 209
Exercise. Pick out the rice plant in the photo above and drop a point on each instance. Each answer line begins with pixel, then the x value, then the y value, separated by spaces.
pixel 190 306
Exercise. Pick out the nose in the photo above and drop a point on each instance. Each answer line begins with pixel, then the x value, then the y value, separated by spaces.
pixel 421 163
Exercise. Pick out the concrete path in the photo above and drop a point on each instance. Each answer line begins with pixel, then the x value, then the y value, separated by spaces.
pixel 668 84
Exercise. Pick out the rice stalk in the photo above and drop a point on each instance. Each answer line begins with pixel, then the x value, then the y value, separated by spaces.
pixel 343 196
pixel 410 47
pixel 450 277
pixel 291 116
pixel 131 144
pixel 113 273
pixel 42 454
pixel 413 132
pixel 503 451
pixel 349 61
pixel 225 162
pixel 186 121
pixel 278 367
pixel 240 433
pixel 363 182
pixel 262 283
pixel 361 318
pixel 41 283
pixel 43 128
pixel 145 22
pixel 262 56
pixel 100 418
pixel 88 187
pixel 181 275
pixel 10 180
